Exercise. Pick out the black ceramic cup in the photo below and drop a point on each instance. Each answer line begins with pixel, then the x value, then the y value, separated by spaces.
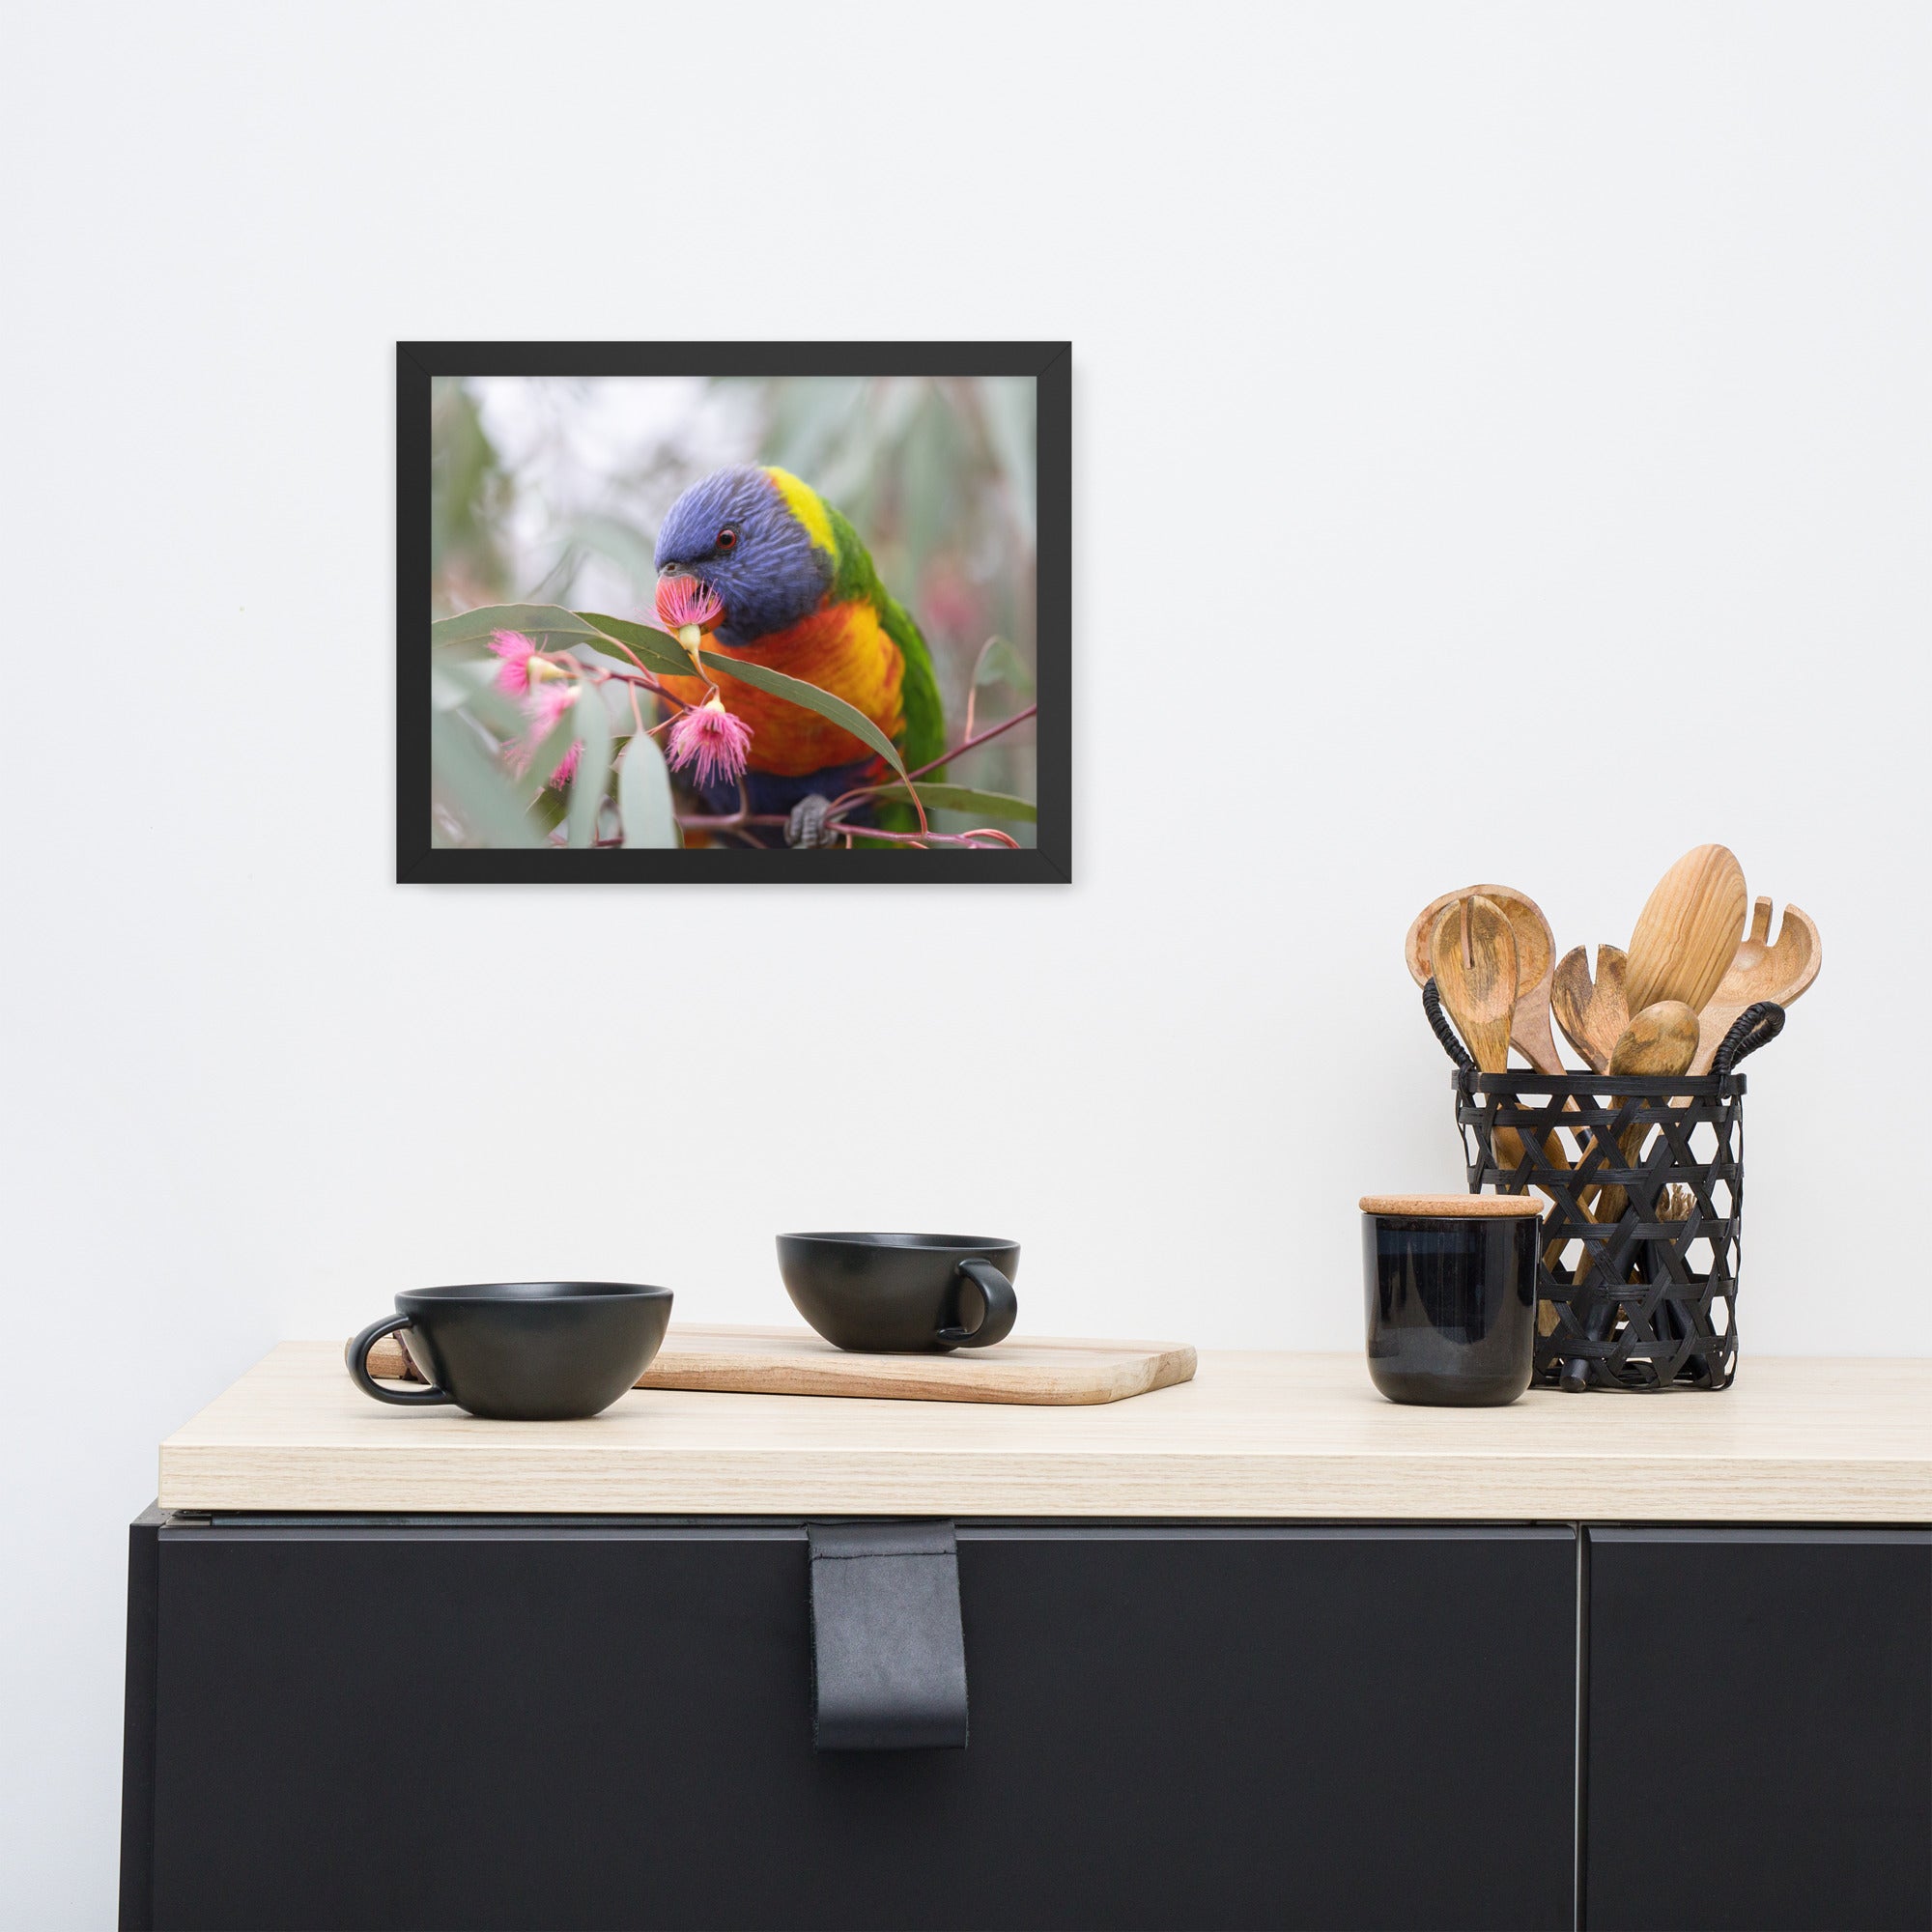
pixel 902 1294
pixel 1450 1288
pixel 520 1350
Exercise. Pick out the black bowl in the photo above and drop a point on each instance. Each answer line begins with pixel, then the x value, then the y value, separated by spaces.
pixel 523 1351
pixel 902 1294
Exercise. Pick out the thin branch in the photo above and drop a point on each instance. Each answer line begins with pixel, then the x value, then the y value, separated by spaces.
pixel 944 759
pixel 698 822
pixel 736 821
pixel 598 676
pixel 914 839
pixel 974 744
pixel 973 683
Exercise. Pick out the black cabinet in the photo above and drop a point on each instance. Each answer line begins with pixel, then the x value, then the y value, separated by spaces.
pixel 1760 1729
pixel 606 1724
pixel 582 1721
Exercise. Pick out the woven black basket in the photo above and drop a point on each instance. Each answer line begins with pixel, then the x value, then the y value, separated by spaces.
pixel 1647 1300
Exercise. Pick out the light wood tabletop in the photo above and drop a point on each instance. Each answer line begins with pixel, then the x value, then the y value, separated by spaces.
pixel 1251 1436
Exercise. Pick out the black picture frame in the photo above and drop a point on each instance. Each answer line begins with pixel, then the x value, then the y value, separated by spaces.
pixel 1048 861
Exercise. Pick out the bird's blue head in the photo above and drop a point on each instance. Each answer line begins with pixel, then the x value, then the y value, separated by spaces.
pixel 741 531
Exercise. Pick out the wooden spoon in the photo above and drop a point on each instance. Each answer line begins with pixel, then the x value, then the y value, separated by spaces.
pixel 1760 970
pixel 1535 962
pixel 1688 932
pixel 1593 1016
pixel 1659 1042
pixel 1472 955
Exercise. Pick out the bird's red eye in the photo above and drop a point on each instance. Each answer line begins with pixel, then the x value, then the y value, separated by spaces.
pixel 727 539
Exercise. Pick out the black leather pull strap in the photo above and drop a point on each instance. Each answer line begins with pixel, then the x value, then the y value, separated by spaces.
pixel 888 1656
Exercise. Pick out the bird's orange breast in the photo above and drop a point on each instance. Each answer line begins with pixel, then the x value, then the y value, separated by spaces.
pixel 842 649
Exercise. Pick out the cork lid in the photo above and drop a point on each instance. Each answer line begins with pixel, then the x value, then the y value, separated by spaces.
pixel 1457 1206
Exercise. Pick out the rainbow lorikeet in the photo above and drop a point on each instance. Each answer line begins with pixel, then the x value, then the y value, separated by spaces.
pixel 799 594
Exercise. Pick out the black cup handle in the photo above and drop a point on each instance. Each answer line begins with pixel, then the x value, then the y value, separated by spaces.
pixel 1003 1307
pixel 356 1355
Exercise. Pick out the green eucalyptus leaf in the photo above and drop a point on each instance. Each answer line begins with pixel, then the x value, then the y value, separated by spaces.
pixel 982 804
pixel 472 785
pixel 1000 663
pixel 549 755
pixel 549 811
pixel 536 621
pixel 655 650
pixel 503 715
pixel 448 686
pixel 797 692
pixel 643 798
pixel 593 768
pixel 471 684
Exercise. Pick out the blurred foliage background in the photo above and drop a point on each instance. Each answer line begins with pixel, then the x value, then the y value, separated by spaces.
pixel 550 489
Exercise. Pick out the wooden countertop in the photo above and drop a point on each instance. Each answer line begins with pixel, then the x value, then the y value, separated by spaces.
pixel 1251 1436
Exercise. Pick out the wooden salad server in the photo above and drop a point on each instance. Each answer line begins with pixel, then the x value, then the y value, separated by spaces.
pixel 1535 962
pixel 1472 957
pixel 1760 969
pixel 1593 1015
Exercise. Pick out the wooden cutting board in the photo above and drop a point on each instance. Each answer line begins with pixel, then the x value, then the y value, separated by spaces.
pixel 794 1361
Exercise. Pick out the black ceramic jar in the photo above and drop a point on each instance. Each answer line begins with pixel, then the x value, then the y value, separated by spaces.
pixel 1449 1281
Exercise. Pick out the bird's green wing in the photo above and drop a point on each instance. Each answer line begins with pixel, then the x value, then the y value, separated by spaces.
pixel 925 735
pixel 919 693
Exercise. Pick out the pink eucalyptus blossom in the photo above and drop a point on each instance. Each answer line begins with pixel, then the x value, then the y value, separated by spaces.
pixel 545 709
pixel 684 601
pixel 711 740
pixel 516 650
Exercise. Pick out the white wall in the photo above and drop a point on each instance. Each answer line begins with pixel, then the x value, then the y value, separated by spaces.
pixel 1501 443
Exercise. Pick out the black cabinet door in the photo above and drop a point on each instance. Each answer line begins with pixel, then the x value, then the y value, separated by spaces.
pixel 1760 1729
pixel 569 1724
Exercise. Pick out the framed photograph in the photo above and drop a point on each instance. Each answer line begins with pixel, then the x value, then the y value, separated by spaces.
pixel 733 611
